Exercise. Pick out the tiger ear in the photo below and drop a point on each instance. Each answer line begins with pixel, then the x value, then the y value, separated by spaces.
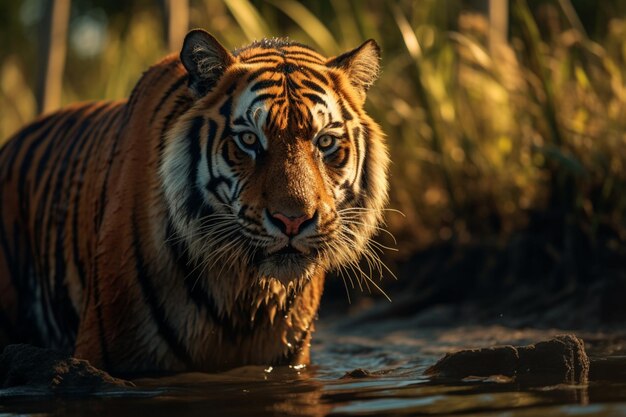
pixel 361 64
pixel 205 59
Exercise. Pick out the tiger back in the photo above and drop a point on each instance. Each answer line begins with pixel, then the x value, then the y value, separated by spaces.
pixel 190 227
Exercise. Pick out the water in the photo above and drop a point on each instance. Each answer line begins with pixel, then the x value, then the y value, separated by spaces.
pixel 395 353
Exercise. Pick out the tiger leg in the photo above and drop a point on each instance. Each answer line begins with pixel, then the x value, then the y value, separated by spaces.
pixel 8 304
pixel 91 339
pixel 111 321
pixel 10 265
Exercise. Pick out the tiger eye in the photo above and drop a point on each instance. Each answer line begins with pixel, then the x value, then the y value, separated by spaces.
pixel 325 141
pixel 249 138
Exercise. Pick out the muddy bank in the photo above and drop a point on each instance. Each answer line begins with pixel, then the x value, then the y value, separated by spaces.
pixel 527 281
pixel 559 360
pixel 52 373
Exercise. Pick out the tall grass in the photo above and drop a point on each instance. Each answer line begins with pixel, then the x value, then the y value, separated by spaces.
pixel 481 139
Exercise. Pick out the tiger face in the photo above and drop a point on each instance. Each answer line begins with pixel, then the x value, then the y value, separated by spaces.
pixel 276 168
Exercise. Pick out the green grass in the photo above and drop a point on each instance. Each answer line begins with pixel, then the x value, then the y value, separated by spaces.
pixel 480 139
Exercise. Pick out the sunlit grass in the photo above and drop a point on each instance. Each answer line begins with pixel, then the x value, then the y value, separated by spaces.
pixel 480 138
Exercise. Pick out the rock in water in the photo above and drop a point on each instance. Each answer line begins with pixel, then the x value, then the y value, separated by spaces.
pixel 559 360
pixel 357 373
pixel 499 360
pixel 26 365
pixel 563 357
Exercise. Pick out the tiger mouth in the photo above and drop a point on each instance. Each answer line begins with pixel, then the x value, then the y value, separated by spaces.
pixel 286 254
pixel 287 250
pixel 287 263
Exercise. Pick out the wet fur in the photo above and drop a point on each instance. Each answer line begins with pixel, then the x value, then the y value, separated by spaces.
pixel 109 248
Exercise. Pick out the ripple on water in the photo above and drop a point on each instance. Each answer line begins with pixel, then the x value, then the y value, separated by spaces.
pixel 392 384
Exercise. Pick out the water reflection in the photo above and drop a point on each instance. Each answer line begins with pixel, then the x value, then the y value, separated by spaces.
pixel 395 385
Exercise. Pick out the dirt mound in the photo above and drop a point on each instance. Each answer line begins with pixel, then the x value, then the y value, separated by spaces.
pixel 26 365
pixel 559 360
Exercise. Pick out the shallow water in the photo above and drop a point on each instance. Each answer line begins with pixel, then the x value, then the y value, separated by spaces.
pixel 396 355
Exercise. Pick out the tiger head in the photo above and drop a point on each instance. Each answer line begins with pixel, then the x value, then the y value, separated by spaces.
pixel 275 168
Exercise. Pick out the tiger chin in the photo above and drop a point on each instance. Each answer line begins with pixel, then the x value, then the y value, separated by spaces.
pixel 190 227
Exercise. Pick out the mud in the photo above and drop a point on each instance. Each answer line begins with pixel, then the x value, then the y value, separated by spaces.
pixel 560 360
pixel 384 363
pixel 50 372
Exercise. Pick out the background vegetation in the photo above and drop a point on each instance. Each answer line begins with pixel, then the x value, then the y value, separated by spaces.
pixel 506 120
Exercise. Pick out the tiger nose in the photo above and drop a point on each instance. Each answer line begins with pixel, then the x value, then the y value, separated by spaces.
pixel 290 225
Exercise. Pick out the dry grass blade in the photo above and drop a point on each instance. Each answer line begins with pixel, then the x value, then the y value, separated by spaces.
pixel 408 35
pixel 249 19
pixel 310 24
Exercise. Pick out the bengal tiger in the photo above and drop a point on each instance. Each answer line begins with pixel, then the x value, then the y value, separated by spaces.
pixel 190 227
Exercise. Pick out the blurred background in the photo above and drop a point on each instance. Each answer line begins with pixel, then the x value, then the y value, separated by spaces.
pixel 506 122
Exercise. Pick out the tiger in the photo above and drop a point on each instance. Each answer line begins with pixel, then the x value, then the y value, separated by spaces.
pixel 191 226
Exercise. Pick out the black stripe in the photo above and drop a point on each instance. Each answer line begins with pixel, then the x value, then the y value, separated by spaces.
pixel 315 98
pixel 174 87
pixel 209 145
pixel 356 133
pixel 16 143
pixel 266 54
pixel 256 74
pixel 232 87
pixel 349 194
pixel 226 109
pixel 66 317
pixel 277 109
pixel 194 199
pixel 260 98
pixel 267 61
pixel 181 105
pixel 301 59
pixel 26 162
pixel 313 86
pixel 10 257
pixel 364 169
pixel 194 287
pixel 279 102
pixel 345 114
pixel 53 208
pixel 95 282
pixel 316 74
pixel 241 121
pixel 225 112
pixel 214 184
pixel 98 131
pixel 295 54
pixel 46 214
pixel 129 109
pixel 166 330
pixel 266 84
pixel 53 143
pixel 292 87
pixel 238 189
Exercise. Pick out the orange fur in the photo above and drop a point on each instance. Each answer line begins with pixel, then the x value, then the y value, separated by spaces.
pixel 144 235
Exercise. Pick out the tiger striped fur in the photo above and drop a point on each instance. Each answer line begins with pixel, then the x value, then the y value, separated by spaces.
pixel 190 226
